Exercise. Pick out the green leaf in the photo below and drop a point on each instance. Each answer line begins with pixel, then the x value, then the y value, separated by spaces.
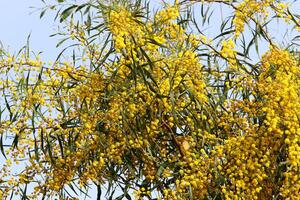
pixel 2 145
pixel 61 42
pixel 67 12
pixel 42 13
pixel 161 169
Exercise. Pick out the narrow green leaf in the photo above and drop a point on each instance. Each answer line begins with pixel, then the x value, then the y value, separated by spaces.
pixel 67 12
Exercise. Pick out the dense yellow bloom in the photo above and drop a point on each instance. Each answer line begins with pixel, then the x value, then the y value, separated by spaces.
pixel 157 108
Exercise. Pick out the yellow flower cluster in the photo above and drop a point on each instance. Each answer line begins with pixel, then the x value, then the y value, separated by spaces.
pixel 123 25
pixel 152 115
pixel 247 9
pixel 228 52
pixel 166 16
pixel 280 82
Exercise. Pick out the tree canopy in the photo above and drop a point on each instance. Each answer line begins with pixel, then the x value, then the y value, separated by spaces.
pixel 192 99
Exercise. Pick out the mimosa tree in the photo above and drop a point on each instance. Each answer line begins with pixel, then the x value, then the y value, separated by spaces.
pixel 190 100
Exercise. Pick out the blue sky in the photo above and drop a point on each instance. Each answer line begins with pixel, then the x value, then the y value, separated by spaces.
pixel 18 20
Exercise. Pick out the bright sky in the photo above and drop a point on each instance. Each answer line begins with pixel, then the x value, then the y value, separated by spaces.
pixel 18 20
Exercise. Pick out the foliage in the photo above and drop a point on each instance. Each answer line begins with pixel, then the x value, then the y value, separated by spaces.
pixel 149 105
